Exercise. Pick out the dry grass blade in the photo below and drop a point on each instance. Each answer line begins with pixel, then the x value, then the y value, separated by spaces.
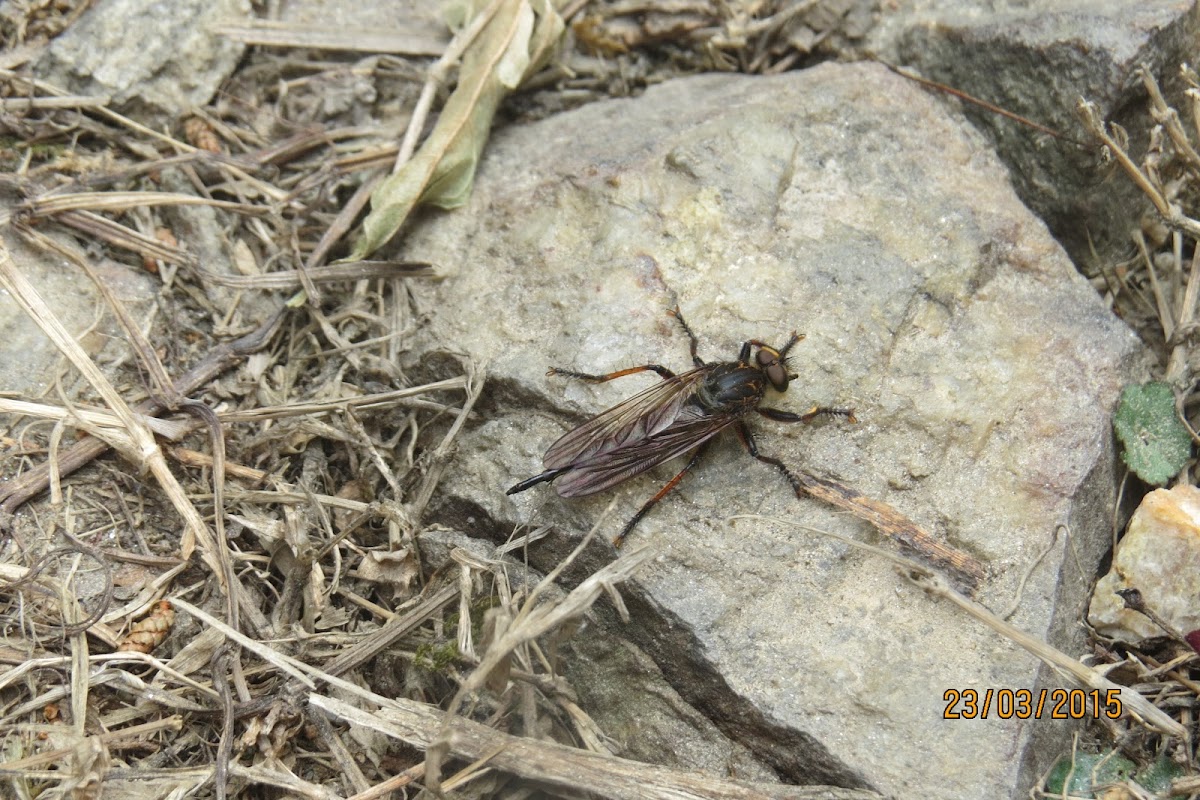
pixel 393 630
pixel 370 401
pixel 1162 306
pixel 169 429
pixel 347 271
pixel 120 236
pixel 264 775
pixel 17 105
pixel 272 33
pixel 268 654
pixel 124 201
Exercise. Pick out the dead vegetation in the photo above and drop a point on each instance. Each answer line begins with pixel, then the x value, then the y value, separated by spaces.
pixel 1156 291
pixel 268 416
pixel 218 575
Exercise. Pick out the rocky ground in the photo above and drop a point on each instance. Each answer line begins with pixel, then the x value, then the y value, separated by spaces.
pixel 336 250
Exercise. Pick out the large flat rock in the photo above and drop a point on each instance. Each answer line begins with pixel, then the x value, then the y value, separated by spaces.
pixel 846 203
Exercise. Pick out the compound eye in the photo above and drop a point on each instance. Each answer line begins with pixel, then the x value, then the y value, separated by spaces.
pixel 778 376
pixel 768 359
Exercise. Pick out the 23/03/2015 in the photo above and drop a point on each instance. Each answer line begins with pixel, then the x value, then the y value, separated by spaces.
pixel 1030 704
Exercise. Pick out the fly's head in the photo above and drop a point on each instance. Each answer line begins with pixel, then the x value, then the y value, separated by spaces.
pixel 774 362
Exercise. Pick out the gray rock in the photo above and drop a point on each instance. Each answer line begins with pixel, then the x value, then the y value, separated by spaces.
pixel 625 692
pixel 160 56
pixel 631 700
pixel 1037 59
pixel 848 204
pixel 27 356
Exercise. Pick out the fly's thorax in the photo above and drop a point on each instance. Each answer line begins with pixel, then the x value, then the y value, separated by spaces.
pixel 732 386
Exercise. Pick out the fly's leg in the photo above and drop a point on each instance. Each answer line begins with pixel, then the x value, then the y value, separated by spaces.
pixel 748 440
pixel 621 373
pixel 693 342
pixel 807 416
pixel 653 501
pixel 529 483
pixel 693 347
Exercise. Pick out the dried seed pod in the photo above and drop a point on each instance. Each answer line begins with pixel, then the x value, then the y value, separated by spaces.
pixel 200 134
pixel 149 633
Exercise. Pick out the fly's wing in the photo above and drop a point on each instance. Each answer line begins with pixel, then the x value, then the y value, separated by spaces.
pixel 642 416
pixel 690 428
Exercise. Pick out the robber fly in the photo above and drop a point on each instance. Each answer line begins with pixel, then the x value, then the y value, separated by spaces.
pixel 681 414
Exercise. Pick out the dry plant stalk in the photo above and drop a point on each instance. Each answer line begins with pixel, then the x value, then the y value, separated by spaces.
pixel 568 769
pixel 1168 176
pixel 1117 143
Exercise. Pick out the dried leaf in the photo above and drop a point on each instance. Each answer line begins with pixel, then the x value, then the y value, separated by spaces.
pixel 86 769
pixel 510 48
pixel 397 569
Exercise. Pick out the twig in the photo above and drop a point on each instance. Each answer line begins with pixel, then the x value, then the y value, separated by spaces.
pixel 350 271
pixel 995 109
pixel 262 774
pixel 393 630
pixel 891 522
pixel 1166 116
pixel 1171 213
pixel 393 783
